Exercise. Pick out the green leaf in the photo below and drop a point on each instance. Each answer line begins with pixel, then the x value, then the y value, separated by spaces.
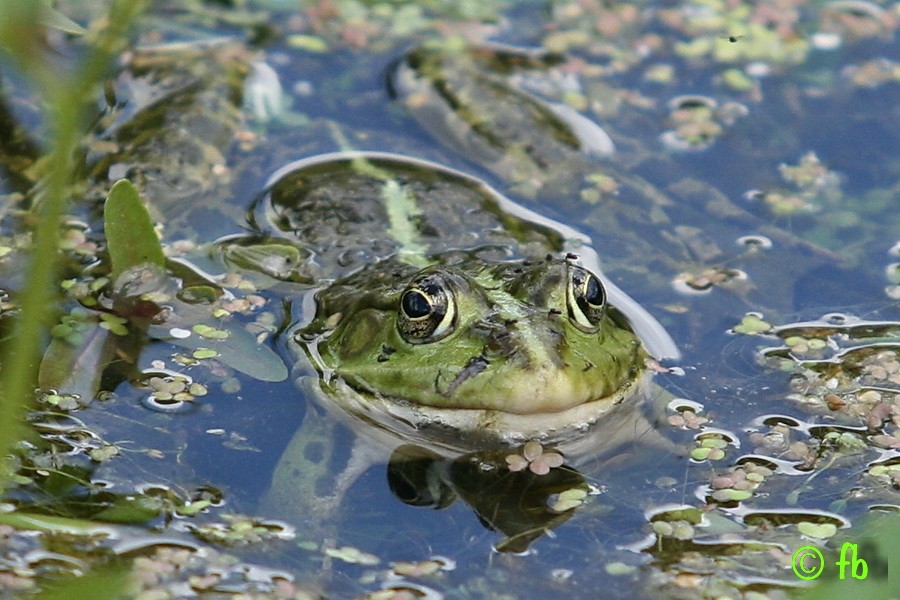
pixel 130 236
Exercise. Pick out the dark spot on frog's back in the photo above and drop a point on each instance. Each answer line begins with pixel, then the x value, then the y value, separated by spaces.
pixel 424 227
pixel 338 199
pixel 314 452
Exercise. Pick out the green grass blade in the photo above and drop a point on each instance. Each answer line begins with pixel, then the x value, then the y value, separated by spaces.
pixel 67 99
pixel 54 19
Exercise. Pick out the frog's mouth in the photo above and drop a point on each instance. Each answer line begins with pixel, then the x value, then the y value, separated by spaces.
pixel 532 370
pixel 460 430
pixel 543 390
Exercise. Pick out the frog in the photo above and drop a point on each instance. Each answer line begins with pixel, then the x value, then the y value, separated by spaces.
pixel 436 262
pixel 450 319
pixel 619 235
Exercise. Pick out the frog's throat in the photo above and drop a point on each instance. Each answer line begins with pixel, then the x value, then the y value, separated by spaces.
pixel 459 431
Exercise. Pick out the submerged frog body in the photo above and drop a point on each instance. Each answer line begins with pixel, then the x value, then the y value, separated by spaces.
pixel 457 320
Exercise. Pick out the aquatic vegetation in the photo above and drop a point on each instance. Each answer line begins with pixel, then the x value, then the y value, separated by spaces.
pixel 130 237
pixel 639 123
pixel 66 98
pixel 534 459
pixel 697 121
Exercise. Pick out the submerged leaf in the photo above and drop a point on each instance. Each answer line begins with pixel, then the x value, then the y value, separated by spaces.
pixel 75 366
pixel 130 236
pixel 51 523
pixel 235 347
pixel 105 582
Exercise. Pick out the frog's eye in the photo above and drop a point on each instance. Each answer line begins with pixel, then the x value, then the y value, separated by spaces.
pixel 427 310
pixel 586 299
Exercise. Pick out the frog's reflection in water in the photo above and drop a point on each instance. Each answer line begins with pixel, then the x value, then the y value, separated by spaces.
pixel 522 505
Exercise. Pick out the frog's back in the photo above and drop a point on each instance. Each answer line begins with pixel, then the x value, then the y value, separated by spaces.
pixel 338 207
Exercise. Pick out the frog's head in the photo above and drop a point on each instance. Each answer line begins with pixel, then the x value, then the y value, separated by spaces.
pixel 523 338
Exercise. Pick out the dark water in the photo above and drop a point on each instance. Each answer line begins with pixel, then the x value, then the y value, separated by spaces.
pixel 828 256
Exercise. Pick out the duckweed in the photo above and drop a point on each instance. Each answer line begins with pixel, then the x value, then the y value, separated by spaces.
pixel 752 324
pixel 352 555
pixel 210 333
pixel 821 531
pixel 568 500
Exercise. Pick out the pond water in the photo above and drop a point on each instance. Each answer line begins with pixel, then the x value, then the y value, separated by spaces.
pixel 750 205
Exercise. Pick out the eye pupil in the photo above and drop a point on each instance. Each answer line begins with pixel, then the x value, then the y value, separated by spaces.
pixel 586 299
pixel 415 304
pixel 593 293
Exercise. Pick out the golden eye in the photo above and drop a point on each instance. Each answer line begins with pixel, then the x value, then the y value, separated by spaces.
pixel 427 310
pixel 586 299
